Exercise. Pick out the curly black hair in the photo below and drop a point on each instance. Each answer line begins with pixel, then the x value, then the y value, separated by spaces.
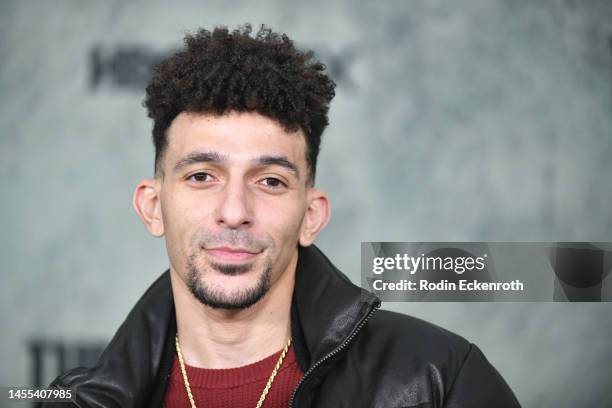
pixel 222 71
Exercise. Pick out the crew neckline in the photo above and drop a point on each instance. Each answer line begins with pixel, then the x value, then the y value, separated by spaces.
pixel 235 376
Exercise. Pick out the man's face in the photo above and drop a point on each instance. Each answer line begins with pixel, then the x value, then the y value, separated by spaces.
pixel 233 200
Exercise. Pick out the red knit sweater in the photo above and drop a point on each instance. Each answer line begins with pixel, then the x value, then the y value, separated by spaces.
pixel 238 387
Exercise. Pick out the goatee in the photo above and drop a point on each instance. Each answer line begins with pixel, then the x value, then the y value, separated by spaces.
pixel 216 298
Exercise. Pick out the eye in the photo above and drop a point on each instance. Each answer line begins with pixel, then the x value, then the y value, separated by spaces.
pixel 200 177
pixel 273 182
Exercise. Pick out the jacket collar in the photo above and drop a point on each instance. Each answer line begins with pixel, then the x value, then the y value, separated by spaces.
pixel 133 369
pixel 329 307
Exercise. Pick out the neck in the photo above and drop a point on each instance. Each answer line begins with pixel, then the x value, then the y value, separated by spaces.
pixel 219 338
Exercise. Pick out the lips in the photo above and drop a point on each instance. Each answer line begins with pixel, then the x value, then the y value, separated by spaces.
pixel 232 254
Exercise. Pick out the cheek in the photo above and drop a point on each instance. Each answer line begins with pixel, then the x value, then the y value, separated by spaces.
pixel 284 224
pixel 181 215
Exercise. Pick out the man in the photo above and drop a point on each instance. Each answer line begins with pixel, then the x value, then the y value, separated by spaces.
pixel 250 313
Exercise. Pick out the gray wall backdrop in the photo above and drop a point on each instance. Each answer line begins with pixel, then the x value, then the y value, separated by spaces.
pixel 457 120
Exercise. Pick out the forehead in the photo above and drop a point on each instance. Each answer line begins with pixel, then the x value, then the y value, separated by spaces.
pixel 238 135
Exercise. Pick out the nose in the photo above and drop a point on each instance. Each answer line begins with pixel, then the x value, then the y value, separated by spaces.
pixel 234 210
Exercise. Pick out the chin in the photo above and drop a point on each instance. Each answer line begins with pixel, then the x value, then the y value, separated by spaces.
pixel 234 289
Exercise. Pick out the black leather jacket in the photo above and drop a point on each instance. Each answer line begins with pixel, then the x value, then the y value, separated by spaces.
pixel 352 354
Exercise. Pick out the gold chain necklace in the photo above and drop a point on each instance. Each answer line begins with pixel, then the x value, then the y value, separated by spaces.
pixel 264 394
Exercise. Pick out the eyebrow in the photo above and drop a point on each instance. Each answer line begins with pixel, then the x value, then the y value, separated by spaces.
pixel 215 157
pixel 281 161
pixel 199 157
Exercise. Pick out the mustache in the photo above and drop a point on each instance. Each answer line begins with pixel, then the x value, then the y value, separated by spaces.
pixel 232 238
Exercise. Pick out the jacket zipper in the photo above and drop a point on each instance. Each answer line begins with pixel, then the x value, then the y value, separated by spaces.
pixel 334 352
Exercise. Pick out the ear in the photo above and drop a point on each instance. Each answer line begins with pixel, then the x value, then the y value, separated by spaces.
pixel 316 217
pixel 147 204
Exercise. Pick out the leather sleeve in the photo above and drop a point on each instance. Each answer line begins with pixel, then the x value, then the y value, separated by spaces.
pixel 479 385
pixel 51 404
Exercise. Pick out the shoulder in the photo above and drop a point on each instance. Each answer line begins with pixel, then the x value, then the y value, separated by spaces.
pixel 416 362
pixel 128 369
pixel 410 333
pixel 402 347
